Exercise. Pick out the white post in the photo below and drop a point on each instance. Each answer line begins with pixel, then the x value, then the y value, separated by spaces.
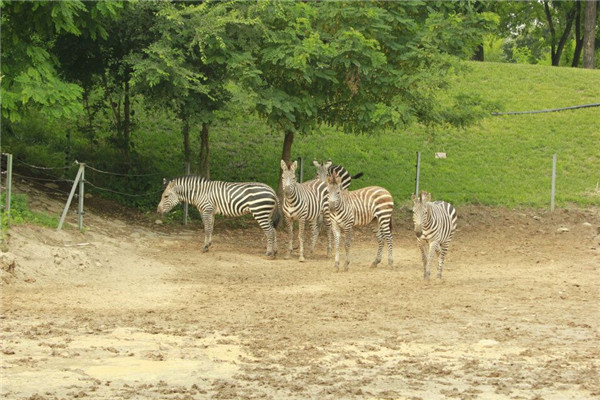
pixel 64 213
pixel 553 182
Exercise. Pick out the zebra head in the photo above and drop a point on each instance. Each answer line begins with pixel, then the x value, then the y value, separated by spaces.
pixel 334 187
pixel 169 198
pixel 420 211
pixel 288 176
pixel 322 169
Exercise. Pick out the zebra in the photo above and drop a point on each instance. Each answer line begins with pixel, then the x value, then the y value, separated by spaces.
pixel 435 223
pixel 326 169
pixel 305 202
pixel 358 208
pixel 232 199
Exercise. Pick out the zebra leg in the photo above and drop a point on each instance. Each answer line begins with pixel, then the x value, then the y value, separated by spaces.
pixel 208 218
pixel 348 239
pixel 442 257
pixel 335 230
pixel 379 237
pixel 432 250
pixel 423 257
pixel 290 228
pixel 271 242
pixel 390 243
pixel 301 223
pixel 314 227
pixel 328 226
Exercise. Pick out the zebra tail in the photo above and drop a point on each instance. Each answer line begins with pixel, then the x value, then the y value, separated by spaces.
pixel 357 175
pixel 276 216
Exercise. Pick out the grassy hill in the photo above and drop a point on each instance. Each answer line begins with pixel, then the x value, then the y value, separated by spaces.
pixel 502 160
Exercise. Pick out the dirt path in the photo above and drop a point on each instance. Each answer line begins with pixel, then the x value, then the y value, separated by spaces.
pixel 129 311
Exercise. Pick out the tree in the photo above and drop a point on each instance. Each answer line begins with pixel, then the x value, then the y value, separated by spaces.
pixel 589 33
pixel 30 68
pixel 358 65
pixel 187 67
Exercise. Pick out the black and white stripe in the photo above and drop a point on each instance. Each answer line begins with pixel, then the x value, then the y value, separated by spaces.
pixel 304 202
pixel 356 208
pixel 327 168
pixel 232 199
pixel 435 223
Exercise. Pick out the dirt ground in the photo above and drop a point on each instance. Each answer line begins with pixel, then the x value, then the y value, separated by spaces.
pixel 130 309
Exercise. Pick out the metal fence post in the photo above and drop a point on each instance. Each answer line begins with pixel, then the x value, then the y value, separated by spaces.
pixel 9 162
pixel 301 162
pixel 185 204
pixel 64 213
pixel 418 173
pixel 81 196
pixel 553 182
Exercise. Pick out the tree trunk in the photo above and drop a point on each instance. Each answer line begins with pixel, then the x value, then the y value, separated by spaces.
pixel 556 49
pixel 578 37
pixel 204 152
pixel 285 156
pixel 478 56
pixel 589 29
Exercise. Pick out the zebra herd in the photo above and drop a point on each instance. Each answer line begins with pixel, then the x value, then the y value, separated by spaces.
pixel 324 200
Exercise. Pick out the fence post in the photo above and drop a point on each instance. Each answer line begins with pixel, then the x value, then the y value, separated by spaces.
pixel 9 162
pixel 418 173
pixel 81 196
pixel 553 182
pixel 64 213
pixel 185 204
pixel 301 162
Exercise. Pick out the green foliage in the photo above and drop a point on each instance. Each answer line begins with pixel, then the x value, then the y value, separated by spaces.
pixel 30 76
pixel 21 214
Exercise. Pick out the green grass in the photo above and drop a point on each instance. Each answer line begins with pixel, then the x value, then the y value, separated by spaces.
pixel 502 160
pixel 21 214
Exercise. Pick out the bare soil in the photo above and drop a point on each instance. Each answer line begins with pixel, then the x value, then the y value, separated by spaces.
pixel 134 310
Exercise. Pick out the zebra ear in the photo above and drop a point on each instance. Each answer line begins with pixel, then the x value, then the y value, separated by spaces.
pixel 425 196
pixel 327 164
pixel 283 165
pixel 294 165
pixel 316 163
pixel 414 198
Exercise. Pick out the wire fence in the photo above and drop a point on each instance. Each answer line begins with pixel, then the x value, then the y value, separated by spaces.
pixel 63 180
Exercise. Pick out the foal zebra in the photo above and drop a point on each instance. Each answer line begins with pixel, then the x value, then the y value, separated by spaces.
pixel 303 202
pixel 326 169
pixel 435 224
pixel 227 198
pixel 356 208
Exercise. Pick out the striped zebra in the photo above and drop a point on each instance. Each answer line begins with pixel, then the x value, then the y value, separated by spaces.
pixel 305 202
pixel 358 208
pixel 326 169
pixel 435 223
pixel 226 198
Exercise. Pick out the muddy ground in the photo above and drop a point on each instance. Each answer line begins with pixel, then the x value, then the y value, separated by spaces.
pixel 133 310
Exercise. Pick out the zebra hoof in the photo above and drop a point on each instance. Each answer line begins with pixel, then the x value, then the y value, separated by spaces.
pixel 205 249
pixel 301 259
pixel 287 256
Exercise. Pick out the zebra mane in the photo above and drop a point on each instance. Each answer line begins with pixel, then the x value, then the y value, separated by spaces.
pixel 183 178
